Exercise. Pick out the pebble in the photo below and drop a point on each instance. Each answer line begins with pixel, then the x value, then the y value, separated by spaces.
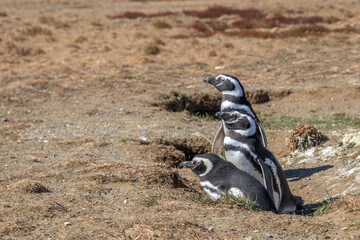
pixel 268 235
pixel 249 238
pixel 143 140
pixel 67 223
pixel 256 231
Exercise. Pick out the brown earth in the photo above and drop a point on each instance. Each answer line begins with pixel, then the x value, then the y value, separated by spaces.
pixel 93 124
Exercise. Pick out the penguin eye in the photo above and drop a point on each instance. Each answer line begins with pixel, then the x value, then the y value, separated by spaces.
pixel 197 163
pixel 223 79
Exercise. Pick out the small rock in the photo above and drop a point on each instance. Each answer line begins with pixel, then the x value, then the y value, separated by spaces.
pixel 143 140
pixel 5 120
pixel 256 231
pixel 67 224
pixel 249 238
pixel 268 235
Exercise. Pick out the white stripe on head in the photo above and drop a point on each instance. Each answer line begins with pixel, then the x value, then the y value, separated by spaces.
pixel 277 196
pixel 247 132
pixel 237 92
pixel 208 164
pixel 235 106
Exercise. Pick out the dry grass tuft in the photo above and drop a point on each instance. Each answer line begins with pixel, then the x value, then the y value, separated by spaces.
pixel 305 136
pixel 152 49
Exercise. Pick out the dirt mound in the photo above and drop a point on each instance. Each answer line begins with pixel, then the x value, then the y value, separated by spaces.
pixel 29 186
pixel 305 136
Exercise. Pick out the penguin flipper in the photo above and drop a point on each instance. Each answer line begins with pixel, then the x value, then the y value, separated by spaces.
pixel 267 177
pixel 218 141
pixel 261 130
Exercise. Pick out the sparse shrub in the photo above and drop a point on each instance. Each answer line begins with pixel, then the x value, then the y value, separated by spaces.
pixel 96 24
pixel 244 24
pixel 251 33
pixel 296 20
pixel 217 11
pixel 201 27
pixel 332 19
pixel 324 208
pixel 306 30
pixel 161 24
pixel 152 49
pixel 160 14
pixel 347 29
pixel 36 30
pixel 218 26
pixel 180 36
pixel 53 21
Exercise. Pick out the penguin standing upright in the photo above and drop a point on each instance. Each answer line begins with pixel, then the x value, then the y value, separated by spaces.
pixel 218 177
pixel 233 98
pixel 244 149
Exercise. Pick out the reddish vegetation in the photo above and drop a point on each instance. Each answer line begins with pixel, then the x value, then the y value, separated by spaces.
pixel 133 15
pixel 217 11
pixel 296 20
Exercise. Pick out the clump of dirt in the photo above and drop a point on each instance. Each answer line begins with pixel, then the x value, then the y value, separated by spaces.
pixel 29 186
pixel 258 96
pixel 305 136
pixel 198 103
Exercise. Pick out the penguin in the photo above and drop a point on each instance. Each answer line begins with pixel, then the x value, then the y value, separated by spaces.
pixel 244 149
pixel 219 177
pixel 233 98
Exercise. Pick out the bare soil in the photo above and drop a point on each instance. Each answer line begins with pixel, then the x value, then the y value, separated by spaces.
pixel 93 124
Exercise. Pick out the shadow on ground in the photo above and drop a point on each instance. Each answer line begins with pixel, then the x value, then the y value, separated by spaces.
pixel 300 173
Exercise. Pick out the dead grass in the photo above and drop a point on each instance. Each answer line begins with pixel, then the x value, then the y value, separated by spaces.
pixel 305 136
pixel 52 21
pixel 36 30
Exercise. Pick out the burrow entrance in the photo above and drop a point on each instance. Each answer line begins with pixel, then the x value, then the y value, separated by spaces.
pixel 207 104
pixel 174 151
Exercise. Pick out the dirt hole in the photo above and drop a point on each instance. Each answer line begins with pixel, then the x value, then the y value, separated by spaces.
pixel 207 104
pixel 174 151
pixel 164 178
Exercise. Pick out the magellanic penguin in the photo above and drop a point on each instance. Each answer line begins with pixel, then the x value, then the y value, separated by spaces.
pixel 244 149
pixel 219 177
pixel 233 99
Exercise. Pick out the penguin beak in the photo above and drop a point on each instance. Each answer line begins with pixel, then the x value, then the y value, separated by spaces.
pixel 188 164
pixel 225 116
pixel 209 79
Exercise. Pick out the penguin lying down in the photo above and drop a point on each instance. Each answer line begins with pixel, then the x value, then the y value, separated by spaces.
pixel 219 177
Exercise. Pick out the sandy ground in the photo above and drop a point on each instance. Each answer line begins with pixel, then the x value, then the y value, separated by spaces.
pixel 78 89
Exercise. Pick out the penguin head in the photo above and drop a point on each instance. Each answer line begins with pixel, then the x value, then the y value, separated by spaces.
pixel 202 164
pixel 240 122
pixel 226 84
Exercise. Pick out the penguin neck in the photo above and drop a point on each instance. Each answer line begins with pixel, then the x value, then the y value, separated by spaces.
pixel 239 99
pixel 231 103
